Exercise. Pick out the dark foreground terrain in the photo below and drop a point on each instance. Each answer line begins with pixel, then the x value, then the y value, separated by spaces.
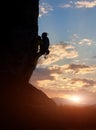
pixel 52 118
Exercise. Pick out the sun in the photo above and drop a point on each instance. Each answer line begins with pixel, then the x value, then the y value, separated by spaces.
pixel 75 99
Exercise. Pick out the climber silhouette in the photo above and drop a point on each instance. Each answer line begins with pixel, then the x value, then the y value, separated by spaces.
pixel 44 46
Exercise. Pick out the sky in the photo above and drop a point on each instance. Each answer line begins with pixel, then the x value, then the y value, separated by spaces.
pixel 70 68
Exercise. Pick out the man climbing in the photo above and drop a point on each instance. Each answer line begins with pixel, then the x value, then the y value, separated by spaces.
pixel 44 47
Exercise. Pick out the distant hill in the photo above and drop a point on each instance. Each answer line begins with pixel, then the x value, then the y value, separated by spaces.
pixel 60 101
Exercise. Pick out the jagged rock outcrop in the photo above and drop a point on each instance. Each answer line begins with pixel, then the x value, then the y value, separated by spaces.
pixel 20 101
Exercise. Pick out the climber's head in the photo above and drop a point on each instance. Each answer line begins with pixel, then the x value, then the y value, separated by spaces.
pixel 44 34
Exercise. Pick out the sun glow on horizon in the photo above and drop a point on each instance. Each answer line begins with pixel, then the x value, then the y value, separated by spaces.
pixel 76 99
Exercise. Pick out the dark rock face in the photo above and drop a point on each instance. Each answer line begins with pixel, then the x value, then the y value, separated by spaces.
pixel 20 101
pixel 18 48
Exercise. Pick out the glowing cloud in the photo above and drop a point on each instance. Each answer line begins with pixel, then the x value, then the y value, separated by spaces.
pixel 81 69
pixel 44 8
pixel 64 78
pixel 83 82
pixel 85 4
pixel 80 4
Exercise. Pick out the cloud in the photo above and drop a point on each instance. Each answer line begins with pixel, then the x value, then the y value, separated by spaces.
pixel 65 6
pixel 65 78
pixel 58 73
pixel 80 4
pixel 42 74
pixel 73 69
pixel 59 52
pixel 83 82
pixel 60 86
pixel 80 69
pixel 44 8
pixel 74 36
pixel 86 41
pixel 85 4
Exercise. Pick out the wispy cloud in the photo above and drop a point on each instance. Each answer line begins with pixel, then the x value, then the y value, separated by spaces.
pixel 83 82
pixel 80 4
pixel 86 41
pixel 44 8
pixel 80 69
pixel 74 36
pixel 65 6
pixel 85 4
